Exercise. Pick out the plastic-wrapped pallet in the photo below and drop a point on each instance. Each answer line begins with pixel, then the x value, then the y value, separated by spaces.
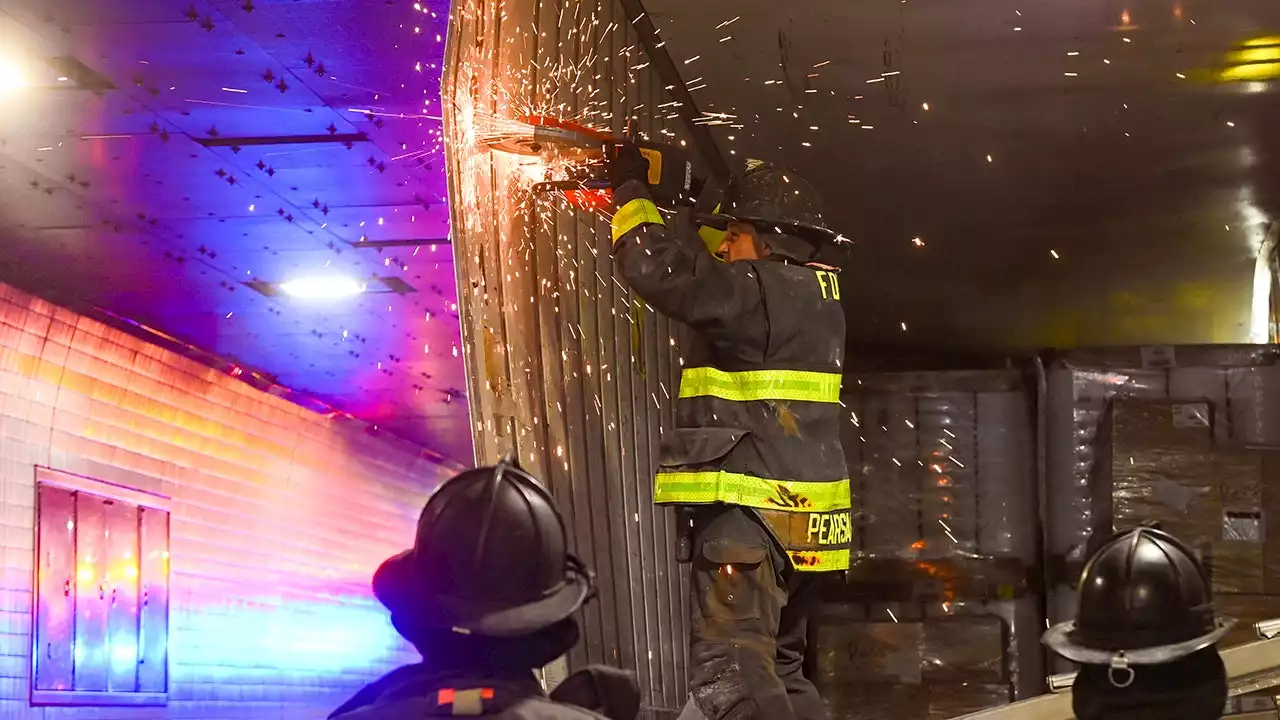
pixel 942 466
pixel 1231 393
pixel 926 661
pixel 943 474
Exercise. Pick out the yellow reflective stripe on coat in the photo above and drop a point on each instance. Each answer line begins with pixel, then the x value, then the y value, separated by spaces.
pixel 797 385
pixel 710 486
pixel 634 214
pixel 819 560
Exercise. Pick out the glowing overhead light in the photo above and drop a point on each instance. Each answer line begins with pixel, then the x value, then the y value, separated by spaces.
pixel 12 76
pixel 323 287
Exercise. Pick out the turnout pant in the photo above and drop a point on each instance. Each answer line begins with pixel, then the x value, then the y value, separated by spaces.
pixel 748 631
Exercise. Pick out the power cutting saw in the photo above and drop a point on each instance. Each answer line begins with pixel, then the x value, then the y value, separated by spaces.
pixel 574 157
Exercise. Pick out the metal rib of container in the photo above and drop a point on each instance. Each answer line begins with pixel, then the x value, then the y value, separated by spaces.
pixel 565 365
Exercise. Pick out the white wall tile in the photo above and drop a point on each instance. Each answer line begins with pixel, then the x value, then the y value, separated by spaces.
pixel 279 517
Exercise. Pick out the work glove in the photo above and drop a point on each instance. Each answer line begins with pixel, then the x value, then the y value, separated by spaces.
pixel 627 163
pixel 611 692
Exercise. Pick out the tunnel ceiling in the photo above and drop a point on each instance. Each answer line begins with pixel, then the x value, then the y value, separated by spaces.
pixel 1013 173
pixel 171 160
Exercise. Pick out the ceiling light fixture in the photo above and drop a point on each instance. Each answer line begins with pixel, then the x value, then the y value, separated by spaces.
pixel 323 287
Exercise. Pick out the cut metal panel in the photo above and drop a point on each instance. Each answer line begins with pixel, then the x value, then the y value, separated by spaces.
pixel 559 358
pixel 666 341
pixel 630 370
pixel 153 601
pixel 563 368
pixel 602 290
pixel 55 590
pixel 91 653
pixel 121 578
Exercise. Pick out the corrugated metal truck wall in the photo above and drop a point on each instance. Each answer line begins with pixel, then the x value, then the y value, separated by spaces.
pixel 564 365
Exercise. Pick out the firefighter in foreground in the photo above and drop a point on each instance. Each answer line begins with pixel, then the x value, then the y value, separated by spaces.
pixel 1145 634
pixel 487 595
pixel 755 459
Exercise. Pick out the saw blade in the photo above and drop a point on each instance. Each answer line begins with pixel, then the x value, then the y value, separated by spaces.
pixel 545 135
pixel 514 144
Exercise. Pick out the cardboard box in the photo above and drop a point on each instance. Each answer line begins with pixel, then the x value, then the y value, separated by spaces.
pixel 1162 426
pixel 1247 610
pixel 964 649
pixel 912 670
pixel 958 649
pixel 928 701
pixel 1166 468
pixel 868 652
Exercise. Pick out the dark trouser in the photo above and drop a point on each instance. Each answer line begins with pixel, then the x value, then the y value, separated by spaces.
pixel 749 624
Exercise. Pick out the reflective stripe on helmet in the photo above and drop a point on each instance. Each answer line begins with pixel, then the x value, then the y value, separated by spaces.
pixel 638 212
pixel 819 560
pixel 786 385
pixel 701 487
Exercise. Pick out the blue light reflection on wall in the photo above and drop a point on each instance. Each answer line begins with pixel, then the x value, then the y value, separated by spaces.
pixel 299 637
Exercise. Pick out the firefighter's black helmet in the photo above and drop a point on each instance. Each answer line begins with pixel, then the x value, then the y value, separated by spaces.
pixel 490 559
pixel 775 201
pixel 1145 599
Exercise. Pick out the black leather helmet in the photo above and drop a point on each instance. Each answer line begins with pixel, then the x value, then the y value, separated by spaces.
pixel 775 201
pixel 1145 599
pixel 490 559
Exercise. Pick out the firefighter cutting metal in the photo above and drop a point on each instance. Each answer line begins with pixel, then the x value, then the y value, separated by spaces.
pixel 755 462
pixel 755 457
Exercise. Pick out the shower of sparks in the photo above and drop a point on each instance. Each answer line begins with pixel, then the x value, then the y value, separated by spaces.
pixel 588 71
pixel 592 73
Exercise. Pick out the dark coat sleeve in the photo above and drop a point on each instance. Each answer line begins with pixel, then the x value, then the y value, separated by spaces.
pixel 671 269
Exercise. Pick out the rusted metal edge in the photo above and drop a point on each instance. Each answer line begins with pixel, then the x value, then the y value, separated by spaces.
pixel 703 141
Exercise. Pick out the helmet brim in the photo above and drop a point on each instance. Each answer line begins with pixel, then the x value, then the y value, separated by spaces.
pixel 804 231
pixel 398 585
pixel 1063 640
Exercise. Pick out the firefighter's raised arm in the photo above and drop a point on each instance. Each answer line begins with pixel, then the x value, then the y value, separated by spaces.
pixel 670 267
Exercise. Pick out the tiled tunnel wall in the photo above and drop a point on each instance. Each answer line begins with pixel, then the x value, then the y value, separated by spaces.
pixel 278 516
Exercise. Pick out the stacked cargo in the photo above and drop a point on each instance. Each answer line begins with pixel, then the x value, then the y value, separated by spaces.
pixel 940 614
pixel 1186 437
